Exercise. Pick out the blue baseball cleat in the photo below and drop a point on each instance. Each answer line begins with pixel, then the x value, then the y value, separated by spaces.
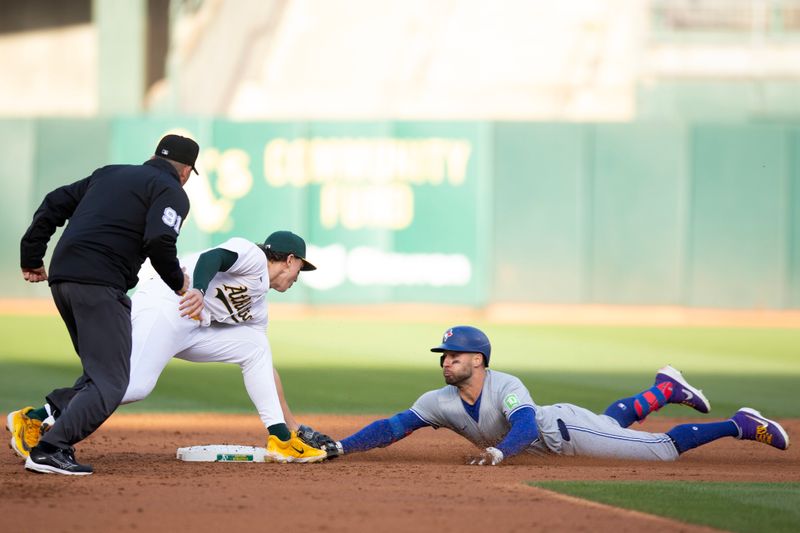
pixel 682 392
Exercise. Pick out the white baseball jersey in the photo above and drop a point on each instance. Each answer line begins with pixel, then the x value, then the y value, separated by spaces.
pixel 237 296
pixel 234 298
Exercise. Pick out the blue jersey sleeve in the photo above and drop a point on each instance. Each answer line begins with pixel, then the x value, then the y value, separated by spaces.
pixel 523 431
pixel 383 432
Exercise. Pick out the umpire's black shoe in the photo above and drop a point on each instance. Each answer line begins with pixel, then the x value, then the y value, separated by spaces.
pixel 61 461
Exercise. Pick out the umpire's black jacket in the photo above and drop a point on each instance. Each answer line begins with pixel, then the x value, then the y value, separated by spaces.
pixel 118 216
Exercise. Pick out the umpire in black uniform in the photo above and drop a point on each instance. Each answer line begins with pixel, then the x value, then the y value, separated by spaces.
pixel 118 216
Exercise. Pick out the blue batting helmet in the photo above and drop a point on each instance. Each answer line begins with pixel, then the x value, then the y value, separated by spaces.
pixel 465 339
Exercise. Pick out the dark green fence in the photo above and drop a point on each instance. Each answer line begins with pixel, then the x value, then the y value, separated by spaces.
pixel 466 212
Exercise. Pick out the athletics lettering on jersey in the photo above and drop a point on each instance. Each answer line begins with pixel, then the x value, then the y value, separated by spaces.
pixel 236 300
pixel 237 296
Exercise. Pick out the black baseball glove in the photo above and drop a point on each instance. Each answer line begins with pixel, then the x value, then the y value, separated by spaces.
pixel 318 440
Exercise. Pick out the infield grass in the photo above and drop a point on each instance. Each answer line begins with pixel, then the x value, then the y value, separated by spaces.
pixel 346 366
pixel 739 507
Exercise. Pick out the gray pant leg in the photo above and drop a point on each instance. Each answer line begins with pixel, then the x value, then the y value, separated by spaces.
pixel 587 434
pixel 99 321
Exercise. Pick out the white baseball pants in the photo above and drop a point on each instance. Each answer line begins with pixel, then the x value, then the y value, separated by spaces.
pixel 159 334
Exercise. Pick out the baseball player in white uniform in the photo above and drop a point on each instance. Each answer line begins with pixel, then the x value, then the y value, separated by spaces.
pixel 223 319
pixel 495 411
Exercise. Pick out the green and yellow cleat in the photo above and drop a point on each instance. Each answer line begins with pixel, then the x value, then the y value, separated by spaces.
pixel 25 431
pixel 292 451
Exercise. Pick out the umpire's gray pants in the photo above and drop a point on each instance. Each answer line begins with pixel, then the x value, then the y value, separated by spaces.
pixel 98 319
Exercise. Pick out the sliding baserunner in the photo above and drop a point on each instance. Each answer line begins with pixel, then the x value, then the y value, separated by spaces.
pixel 494 411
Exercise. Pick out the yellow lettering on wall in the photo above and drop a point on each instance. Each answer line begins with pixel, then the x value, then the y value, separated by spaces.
pixel 209 213
pixel 356 207
pixel 366 183
pixel 301 162
pixel 234 179
pixel 274 156
pixel 457 159
pixel 296 163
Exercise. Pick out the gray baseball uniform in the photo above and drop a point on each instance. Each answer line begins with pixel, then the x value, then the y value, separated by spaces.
pixel 564 429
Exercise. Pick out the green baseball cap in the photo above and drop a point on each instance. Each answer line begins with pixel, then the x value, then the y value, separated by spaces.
pixel 288 243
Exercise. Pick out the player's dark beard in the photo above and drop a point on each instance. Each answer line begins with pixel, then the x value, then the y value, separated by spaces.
pixel 457 379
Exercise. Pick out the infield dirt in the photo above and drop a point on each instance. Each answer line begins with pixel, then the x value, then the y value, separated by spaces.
pixel 418 484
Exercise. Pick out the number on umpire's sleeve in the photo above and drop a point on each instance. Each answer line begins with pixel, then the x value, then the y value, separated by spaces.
pixel 171 219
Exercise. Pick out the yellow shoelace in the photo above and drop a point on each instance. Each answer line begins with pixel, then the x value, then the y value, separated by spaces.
pixel 762 435
pixel 32 431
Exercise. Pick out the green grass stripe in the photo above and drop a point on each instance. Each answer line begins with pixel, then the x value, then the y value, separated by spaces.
pixel 349 366
pixel 384 390
pixel 347 343
pixel 739 507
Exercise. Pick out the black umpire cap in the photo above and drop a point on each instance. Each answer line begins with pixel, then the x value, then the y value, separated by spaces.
pixel 179 149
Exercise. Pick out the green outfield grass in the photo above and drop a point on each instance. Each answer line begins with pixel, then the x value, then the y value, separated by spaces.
pixel 381 367
pixel 739 507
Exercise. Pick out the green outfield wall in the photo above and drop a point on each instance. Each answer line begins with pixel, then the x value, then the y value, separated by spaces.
pixel 667 213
